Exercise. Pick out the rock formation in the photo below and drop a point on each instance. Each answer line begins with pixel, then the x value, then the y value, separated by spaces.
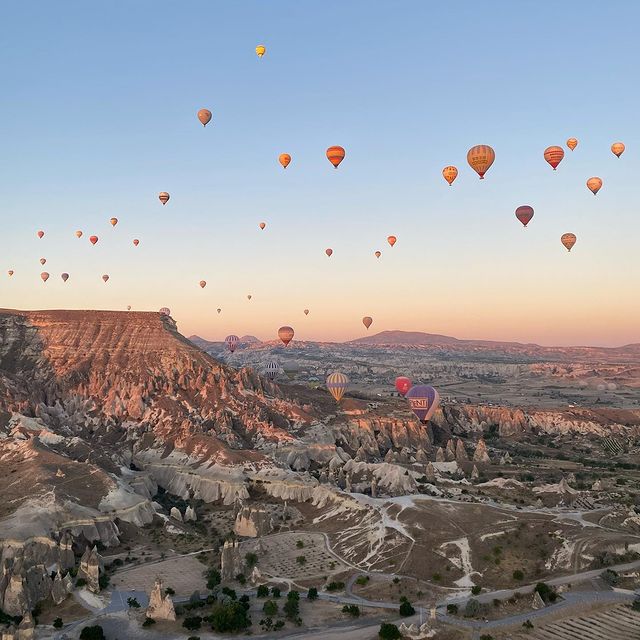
pixel 475 474
pixel 461 453
pixel 230 561
pixel 61 588
pixel 450 451
pixel 190 515
pixel 160 604
pixel 440 457
pixel 175 514
pixel 89 570
pixel 430 473
pixel 481 454
pixel 252 522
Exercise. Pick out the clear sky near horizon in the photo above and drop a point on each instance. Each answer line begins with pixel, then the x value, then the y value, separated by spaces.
pixel 99 115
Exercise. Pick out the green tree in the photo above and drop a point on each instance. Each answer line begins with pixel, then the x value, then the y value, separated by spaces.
pixel 263 591
pixel 301 560
pixel 229 617
pixel 472 608
pixel 275 592
pixel 312 594
pixel 476 589
pixel 148 622
pixel 92 633
pixel 291 609
pixel 270 608
pixel 133 603
pixel 251 559
pixel 57 623
pixel 169 591
pixel 300 544
pixel 406 609
pixel 452 609
pixel 389 631
pixel 192 623
pixel 213 578
pixel 518 574
pixel 352 609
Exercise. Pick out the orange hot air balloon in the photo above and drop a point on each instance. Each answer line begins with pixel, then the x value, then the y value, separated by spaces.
pixel 329 252
pixel 450 173
pixel 45 276
pixel 367 321
pixel 78 234
pixel 286 334
pixel 594 184
pixel 553 155
pixel 10 272
pixel 113 221
pixel 203 284
pixel 163 196
pixel 306 312
pixel 284 159
pixel 262 225
pixel 204 115
pixel 43 260
pixel 65 277
pixel 617 148
pixel 93 239
pixel 392 240
pixel 136 242
pixel 335 155
pixel 261 50
pixel 377 254
pixel 40 234
pixel 480 158
pixel 572 143
pixel 105 277
pixel 568 240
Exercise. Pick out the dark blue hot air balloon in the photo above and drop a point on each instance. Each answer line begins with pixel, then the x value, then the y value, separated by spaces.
pixel 424 400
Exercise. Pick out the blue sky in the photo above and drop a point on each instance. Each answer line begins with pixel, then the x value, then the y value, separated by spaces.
pixel 99 115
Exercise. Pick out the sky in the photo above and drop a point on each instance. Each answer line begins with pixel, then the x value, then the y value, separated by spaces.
pixel 98 115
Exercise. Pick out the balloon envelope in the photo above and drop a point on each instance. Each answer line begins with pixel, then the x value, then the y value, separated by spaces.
pixel 286 334
pixel 78 234
pixel 403 384
pixel 10 272
pixel 480 158
pixel 524 214
pixel 65 277
pixel 43 260
pixel 617 148
pixel 328 252
pixel 203 284
pixel 113 221
pixel 335 155
pixel 306 312
pixel 165 311
pixel 572 143
pixel 594 184
pixel 367 321
pixel 377 254
pixel 105 277
pixel 284 159
pixel 93 239
pixel 392 240
pixel 568 240
pixel 40 234
pixel 271 370
pixel 232 342
pixel 136 242
pixel 261 50
pixel 219 310
pixel 337 384
pixel 262 225
pixel 450 173
pixel 424 400
pixel 45 276
pixel 204 115
pixel 553 155
pixel 164 197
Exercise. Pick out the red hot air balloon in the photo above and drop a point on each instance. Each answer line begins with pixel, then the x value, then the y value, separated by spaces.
pixel 136 242
pixel 403 385
pixel 93 239
pixel 524 214
pixel 45 276
pixel 204 115
pixel 40 234
pixel 232 342
pixel 286 334
pixel 367 321
pixel 424 400
pixel 392 240
pixel 329 252
pixel 65 277
pixel 553 155
pixel 335 155
pixel 262 225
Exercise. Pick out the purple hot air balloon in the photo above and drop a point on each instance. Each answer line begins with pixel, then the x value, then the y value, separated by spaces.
pixel 424 400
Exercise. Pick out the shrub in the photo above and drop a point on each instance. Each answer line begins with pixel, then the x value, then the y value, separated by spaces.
pixel 293 595
pixel 275 592
pixel 192 623
pixel 396 580
pixel 92 633
pixel 610 577
pixel 527 624
pixel 352 609
pixel 547 593
pixel 476 589
pixel 133 603
pixel 335 586
pixel 227 591
pixel 436 577
pixel 362 580
pixel 452 609
pixel 148 622
pixel 389 631
pixel 251 559
pixel 263 591
pixel 312 594
pixel 241 578
pixel 213 578
pixel 81 582
pixel 291 609
pixel 472 608
pixel 57 623
pixel 301 560
pixel 229 618
pixel 169 591
pixel 270 608
pixel 486 636
pixel 406 609
pixel 636 604
pixel 300 544
pixel 518 574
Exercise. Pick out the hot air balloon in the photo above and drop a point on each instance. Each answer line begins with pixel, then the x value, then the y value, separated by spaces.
pixel 163 196
pixel 594 184
pixel 78 234
pixel 335 155
pixel 617 148
pixel 65 277
pixel 392 240
pixel 105 277
pixel 136 242
pixel 284 159
pixel 328 252
pixel 306 312
pixel 480 158
pixel 262 225
pixel 367 321
pixel 93 239
pixel 40 234
pixel 164 311
pixel 337 384
pixel 45 276
pixel 261 50
pixel 553 155
pixel 450 173
pixel 568 240
pixel 524 214
pixel 43 260
pixel 113 221
pixel 10 272
pixel 271 370
pixel 232 342
pixel 219 310
pixel 403 385
pixel 249 296
pixel 286 334
pixel 203 283
pixel 377 254
pixel 204 115
pixel 424 400
pixel 128 307
pixel 572 143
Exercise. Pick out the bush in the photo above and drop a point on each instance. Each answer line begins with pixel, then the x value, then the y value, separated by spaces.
pixel 518 574
pixel 362 580
pixel 406 609
pixel 291 609
pixel 169 591
pixel 251 559
pixel 472 608
pixel 275 592
pixel 312 594
pixel 486 636
pixel 547 593
pixel 352 609
pixel 436 577
pixel 229 618
pixel 241 578
pixel 636 604
pixel 148 622
pixel 263 591
pixel 527 624
pixel 213 578
pixel 270 608
pixel 133 603
pixel 57 623
pixel 300 544
pixel 335 586
pixel 92 633
pixel 227 591
pixel 452 609
pixel 301 560
pixel 389 631
pixel 81 582
pixel 192 623
pixel 610 577
pixel 476 589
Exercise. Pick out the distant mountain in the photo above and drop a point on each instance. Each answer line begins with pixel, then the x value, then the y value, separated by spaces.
pixel 249 340
pixel 405 337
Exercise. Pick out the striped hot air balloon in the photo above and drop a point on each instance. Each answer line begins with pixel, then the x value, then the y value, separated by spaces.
pixel 164 311
pixel 553 155
pixel 424 400
pixel 335 155
pixel 480 158
pixel 232 342
pixel 572 143
pixel 271 370
pixel 164 197
pixel 524 214
pixel 337 384
pixel 261 50
pixel 286 334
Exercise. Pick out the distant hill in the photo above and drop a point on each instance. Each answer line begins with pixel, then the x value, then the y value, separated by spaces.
pixel 421 338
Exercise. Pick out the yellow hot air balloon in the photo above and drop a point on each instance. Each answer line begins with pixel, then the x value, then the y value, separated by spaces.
pixel 113 221
pixel 480 158
pixel 450 173
pixel 204 115
pixel 594 184
pixel 572 143
pixel 568 240
pixel 337 384
pixel 284 159
pixel 78 234
pixel 617 148
pixel 367 321
pixel 261 50
pixel 163 196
